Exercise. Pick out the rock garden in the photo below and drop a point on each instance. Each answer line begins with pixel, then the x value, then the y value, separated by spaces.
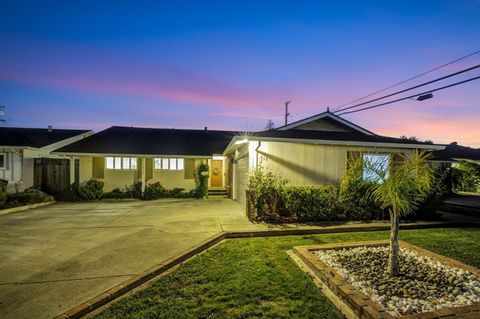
pixel 424 284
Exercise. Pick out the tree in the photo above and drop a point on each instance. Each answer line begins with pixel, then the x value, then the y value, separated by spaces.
pixel 400 189
pixel 270 125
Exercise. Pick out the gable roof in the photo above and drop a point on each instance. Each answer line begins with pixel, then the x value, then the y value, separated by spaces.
pixel 35 137
pixel 329 116
pixel 454 152
pixel 118 140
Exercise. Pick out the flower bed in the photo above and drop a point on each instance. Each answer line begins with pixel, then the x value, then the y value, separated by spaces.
pixel 430 284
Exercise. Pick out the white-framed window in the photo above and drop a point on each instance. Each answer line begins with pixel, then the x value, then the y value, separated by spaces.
pixel 172 164
pixel 375 167
pixel 123 163
pixel 3 160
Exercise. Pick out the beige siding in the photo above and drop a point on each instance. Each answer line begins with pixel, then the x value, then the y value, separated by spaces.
pixel 85 168
pixel 309 164
pixel 95 168
pixel 324 125
pixel 241 178
pixel 118 179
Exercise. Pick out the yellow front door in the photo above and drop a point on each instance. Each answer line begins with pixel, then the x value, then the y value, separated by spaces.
pixel 216 173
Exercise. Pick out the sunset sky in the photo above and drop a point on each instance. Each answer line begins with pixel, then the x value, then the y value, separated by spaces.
pixel 232 64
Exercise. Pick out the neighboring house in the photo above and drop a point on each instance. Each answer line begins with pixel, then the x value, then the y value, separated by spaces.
pixel 458 153
pixel 19 147
pixel 308 152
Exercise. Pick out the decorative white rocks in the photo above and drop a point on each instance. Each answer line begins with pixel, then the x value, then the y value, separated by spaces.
pixel 425 284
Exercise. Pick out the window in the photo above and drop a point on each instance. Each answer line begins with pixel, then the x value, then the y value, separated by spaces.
pixel 125 163
pixel 375 167
pixel 3 161
pixel 172 164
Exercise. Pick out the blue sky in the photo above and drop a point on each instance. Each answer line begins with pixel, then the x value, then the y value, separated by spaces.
pixel 231 65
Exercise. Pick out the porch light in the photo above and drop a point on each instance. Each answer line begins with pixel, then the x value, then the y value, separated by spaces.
pixel 243 141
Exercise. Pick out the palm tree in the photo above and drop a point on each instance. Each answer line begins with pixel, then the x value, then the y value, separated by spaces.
pixel 399 187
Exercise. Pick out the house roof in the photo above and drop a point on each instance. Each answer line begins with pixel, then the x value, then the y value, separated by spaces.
pixel 327 116
pixel 151 141
pixel 454 152
pixel 35 137
pixel 342 138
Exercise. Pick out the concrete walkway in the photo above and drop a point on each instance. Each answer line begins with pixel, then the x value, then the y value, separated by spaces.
pixel 56 257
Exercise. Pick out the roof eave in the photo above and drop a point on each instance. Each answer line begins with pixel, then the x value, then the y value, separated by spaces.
pixel 349 143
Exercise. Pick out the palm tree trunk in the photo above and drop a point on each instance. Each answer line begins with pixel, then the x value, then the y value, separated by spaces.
pixel 393 266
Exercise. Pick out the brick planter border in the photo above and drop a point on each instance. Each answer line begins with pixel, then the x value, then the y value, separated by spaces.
pixel 361 305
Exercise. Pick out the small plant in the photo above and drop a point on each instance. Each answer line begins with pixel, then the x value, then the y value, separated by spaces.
pixel 154 191
pixel 202 184
pixel 116 193
pixel 3 192
pixel 313 203
pixel 134 191
pixel 69 194
pixel 91 189
pixel 466 177
pixel 265 195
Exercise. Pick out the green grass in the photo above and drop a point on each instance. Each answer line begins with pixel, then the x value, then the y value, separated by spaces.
pixel 254 278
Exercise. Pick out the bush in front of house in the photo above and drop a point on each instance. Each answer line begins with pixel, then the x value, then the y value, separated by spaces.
pixel 91 189
pixel 116 193
pixel 69 194
pixel 202 181
pixel 357 204
pixel 265 196
pixel 28 197
pixel 312 203
pixel 466 177
pixel 3 192
pixel 154 191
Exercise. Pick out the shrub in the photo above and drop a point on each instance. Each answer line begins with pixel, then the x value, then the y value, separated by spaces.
pixel 202 181
pixel 30 196
pixel 357 204
pixel 69 194
pixel 3 192
pixel 154 191
pixel 91 189
pixel 134 191
pixel 116 193
pixel 466 177
pixel 265 196
pixel 312 203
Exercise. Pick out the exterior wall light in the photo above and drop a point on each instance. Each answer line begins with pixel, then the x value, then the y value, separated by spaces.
pixel 243 141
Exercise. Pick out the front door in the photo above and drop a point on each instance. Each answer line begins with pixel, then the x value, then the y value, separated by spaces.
pixel 216 173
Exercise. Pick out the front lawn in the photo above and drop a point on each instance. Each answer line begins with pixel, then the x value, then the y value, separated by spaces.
pixel 254 278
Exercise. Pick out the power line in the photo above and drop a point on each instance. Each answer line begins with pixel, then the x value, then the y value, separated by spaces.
pixel 409 79
pixel 411 96
pixel 410 88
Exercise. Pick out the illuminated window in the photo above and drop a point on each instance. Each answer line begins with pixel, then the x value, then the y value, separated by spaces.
pixel 125 163
pixel 172 164
pixel 375 167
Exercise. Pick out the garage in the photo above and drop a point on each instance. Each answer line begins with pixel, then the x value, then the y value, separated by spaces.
pixel 241 177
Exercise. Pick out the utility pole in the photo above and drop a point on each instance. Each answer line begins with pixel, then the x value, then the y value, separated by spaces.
pixel 2 114
pixel 286 112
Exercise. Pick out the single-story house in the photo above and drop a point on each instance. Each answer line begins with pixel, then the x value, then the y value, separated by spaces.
pixel 307 152
pixel 458 153
pixel 19 147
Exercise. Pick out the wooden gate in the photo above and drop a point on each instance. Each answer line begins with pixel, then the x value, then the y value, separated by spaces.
pixel 51 175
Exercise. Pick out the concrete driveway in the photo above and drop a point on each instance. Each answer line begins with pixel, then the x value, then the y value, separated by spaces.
pixel 55 257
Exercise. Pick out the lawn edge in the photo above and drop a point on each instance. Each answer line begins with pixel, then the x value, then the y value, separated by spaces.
pixel 121 289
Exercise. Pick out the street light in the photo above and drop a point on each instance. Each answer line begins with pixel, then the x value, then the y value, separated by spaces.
pixel 424 97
